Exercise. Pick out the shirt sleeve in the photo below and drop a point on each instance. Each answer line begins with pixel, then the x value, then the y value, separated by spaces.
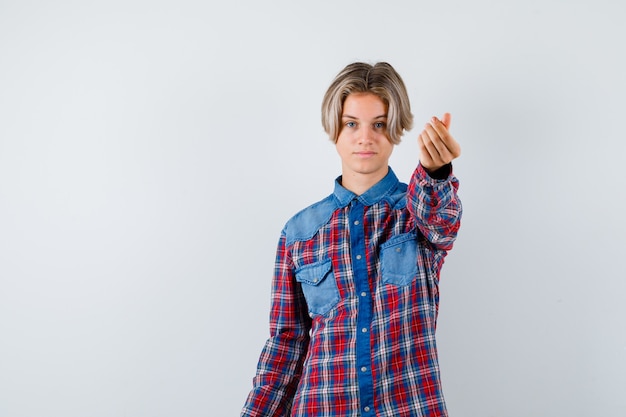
pixel 280 365
pixel 435 206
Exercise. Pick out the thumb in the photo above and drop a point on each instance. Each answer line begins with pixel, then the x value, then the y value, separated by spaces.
pixel 446 120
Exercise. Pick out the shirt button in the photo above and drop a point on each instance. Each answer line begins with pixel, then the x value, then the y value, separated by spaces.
pixel 363 294
pixel 356 222
pixel 364 330
pixel 364 369
pixel 366 409
pixel 358 256
pixel 398 249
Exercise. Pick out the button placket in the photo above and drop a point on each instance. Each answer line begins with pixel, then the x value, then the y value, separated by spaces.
pixel 364 315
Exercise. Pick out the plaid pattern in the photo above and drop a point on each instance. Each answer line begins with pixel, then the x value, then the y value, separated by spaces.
pixel 354 304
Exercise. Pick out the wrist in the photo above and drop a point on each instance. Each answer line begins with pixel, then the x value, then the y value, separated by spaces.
pixel 439 173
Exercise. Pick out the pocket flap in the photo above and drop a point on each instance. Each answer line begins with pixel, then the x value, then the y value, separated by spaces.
pixel 314 274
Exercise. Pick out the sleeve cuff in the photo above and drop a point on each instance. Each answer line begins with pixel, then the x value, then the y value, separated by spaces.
pixel 440 173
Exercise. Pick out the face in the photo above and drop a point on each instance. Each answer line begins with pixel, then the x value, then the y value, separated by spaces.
pixel 362 143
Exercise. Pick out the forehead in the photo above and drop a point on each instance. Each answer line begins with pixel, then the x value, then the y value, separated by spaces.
pixel 364 105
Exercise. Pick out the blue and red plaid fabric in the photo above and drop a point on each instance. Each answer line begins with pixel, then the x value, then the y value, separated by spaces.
pixel 355 301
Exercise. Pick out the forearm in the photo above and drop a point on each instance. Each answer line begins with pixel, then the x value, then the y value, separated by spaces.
pixel 280 364
pixel 276 379
pixel 435 205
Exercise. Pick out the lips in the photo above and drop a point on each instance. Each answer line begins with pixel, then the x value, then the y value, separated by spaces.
pixel 365 154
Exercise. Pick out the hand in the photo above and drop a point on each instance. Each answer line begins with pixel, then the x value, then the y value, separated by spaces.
pixel 436 144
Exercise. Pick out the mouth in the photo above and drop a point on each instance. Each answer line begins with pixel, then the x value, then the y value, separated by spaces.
pixel 365 154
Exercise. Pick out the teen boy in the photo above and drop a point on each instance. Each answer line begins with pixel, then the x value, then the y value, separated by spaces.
pixel 355 291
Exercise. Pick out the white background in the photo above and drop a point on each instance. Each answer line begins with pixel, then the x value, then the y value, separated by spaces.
pixel 151 151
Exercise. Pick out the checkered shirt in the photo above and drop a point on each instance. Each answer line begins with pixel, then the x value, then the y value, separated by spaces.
pixel 354 304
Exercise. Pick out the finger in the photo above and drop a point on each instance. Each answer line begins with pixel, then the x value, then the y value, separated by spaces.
pixel 429 156
pixel 446 119
pixel 425 156
pixel 429 146
pixel 450 143
pixel 438 143
pixel 432 155
pixel 440 126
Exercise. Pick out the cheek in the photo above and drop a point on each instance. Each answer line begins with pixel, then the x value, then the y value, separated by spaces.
pixel 343 141
pixel 389 148
pixel 344 136
pixel 339 147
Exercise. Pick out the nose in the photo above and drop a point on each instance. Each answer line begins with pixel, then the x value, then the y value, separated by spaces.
pixel 366 135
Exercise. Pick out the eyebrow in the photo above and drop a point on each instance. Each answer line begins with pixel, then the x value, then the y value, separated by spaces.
pixel 347 116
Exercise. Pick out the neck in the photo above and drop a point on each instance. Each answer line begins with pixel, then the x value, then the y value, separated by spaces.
pixel 359 183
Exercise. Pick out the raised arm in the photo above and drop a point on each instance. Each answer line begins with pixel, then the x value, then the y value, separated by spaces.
pixel 432 194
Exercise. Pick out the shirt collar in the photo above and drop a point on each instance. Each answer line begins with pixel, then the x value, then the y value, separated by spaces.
pixel 370 197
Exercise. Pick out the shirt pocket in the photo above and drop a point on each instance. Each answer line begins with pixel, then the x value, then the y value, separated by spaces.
pixel 398 259
pixel 319 286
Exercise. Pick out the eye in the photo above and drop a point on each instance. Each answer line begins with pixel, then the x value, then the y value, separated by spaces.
pixel 379 125
pixel 350 124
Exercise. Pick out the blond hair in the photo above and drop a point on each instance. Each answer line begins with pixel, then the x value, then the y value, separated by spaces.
pixel 379 79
